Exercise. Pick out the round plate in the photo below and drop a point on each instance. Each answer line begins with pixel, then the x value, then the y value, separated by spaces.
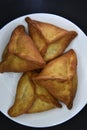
pixel 8 81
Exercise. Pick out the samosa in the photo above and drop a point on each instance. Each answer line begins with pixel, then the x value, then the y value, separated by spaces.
pixel 61 68
pixel 50 40
pixel 13 63
pixel 63 91
pixel 25 96
pixel 57 48
pixel 22 46
pixel 31 98
pixel 43 100
pixel 59 77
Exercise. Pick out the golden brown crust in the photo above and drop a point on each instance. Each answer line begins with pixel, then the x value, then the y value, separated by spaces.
pixel 13 63
pixel 49 31
pixel 40 106
pixel 59 77
pixel 43 99
pixel 50 40
pixel 61 68
pixel 63 91
pixel 37 36
pixel 24 96
pixel 22 45
pixel 56 48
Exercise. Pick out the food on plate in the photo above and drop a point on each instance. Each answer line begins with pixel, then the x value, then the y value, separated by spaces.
pixel 43 34
pixel 64 91
pixel 13 63
pixel 31 98
pixel 58 47
pixel 25 96
pixel 22 46
pixel 59 77
pixel 43 100
pixel 61 68
pixel 50 40
pixel 50 75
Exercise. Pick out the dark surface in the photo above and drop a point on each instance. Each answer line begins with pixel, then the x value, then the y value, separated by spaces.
pixel 75 11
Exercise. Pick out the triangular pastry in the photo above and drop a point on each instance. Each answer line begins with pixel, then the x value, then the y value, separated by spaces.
pixel 59 77
pixel 25 96
pixel 43 100
pixel 57 48
pixel 61 68
pixel 13 63
pixel 50 40
pixel 22 46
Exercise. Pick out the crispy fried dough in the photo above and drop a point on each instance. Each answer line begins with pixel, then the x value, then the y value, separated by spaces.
pixel 43 34
pixel 22 46
pixel 55 49
pixel 59 77
pixel 40 106
pixel 61 68
pixel 43 100
pixel 5 53
pixel 64 91
pixel 25 96
pixel 13 63
pixel 36 36
pixel 50 40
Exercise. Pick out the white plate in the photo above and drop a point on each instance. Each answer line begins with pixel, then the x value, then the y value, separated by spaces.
pixel 8 81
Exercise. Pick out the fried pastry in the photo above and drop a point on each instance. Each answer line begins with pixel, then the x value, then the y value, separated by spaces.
pixel 43 34
pixel 25 96
pixel 50 40
pixel 43 100
pixel 13 63
pixel 5 53
pixel 63 91
pixel 61 68
pixel 59 77
pixel 57 48
pixel 40 106
pixel 22 46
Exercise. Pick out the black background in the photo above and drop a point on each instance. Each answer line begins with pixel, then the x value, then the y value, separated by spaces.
pixel 75 11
